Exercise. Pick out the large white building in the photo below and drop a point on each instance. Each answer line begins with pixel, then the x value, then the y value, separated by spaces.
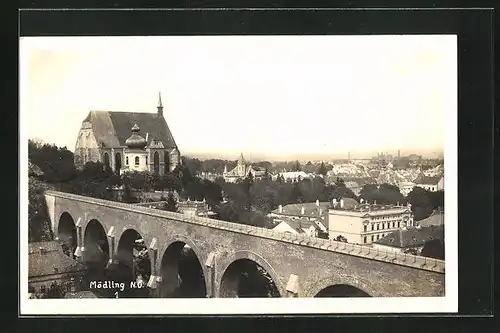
pixel 366 223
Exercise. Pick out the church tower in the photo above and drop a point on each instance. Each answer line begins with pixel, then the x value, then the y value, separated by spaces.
pixel 241 166
pixel 160 105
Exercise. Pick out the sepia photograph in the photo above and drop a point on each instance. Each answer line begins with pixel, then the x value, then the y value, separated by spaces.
pixel 238 174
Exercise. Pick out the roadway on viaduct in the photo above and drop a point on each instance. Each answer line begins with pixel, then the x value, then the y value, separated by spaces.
pixel 299 266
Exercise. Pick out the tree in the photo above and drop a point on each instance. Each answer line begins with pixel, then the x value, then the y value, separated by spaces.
pixel 296 166
pixel 382 194
pixel 55 291
pixel 57 164
pixel 171 204
pixel 38 217
pixel 194 165
pixel 296 196
pixel 339 182
pixel 433 249
pixel 323 234
pixel 184 174
pixel 421 205
pixel 341 238
pixel 127 196
pixel 266 176
pixel 95 171
pixel 322 169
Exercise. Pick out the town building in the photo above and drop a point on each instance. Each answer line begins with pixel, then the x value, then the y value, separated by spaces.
pixel 432 184
pixel 195 208
pixel 293 176
pixel 314 212
pixel 48 265
pixel 241 171
pixel 409 239
pixel 365 223
pixel 211 176
pixel 298 226
pixel 405 187
pixel 103 138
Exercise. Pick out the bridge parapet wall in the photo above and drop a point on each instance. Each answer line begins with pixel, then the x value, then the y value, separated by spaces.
pixel 419 262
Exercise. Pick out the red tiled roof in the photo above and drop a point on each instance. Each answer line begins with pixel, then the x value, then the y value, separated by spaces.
pixel 413 237
pixel 425 180
pixel 299 224
pixel 310 209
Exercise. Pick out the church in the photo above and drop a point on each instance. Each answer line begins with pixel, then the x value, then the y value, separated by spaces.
pixel 242 170
pixel 127 141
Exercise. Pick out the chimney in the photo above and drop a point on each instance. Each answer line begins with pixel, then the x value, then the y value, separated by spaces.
pixel 280 209
pixel 302 211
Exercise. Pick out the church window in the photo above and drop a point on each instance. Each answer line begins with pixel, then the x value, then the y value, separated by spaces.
pixel 137 160
pixel 126 160
pixel 146 160
pixel 364 228
pixel 378 226
pixel 372 238
pixel 373 226
pixel 364 239
pixel 378 237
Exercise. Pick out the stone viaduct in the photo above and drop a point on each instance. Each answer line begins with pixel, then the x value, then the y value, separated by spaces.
pixel 299 266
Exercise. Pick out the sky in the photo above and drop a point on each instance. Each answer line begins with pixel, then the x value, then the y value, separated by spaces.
pixel 265 96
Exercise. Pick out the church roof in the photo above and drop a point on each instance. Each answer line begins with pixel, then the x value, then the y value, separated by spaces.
pixel 112 128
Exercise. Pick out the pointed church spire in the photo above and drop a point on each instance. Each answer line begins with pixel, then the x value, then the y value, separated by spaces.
pixel 241 160
pixel 160 105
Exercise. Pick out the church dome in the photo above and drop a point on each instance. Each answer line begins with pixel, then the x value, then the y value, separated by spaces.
pixel 135 141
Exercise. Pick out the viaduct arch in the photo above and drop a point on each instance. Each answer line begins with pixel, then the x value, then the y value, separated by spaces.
pixel 298 266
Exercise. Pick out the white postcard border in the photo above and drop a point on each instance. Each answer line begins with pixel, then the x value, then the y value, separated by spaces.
pixel 448 303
